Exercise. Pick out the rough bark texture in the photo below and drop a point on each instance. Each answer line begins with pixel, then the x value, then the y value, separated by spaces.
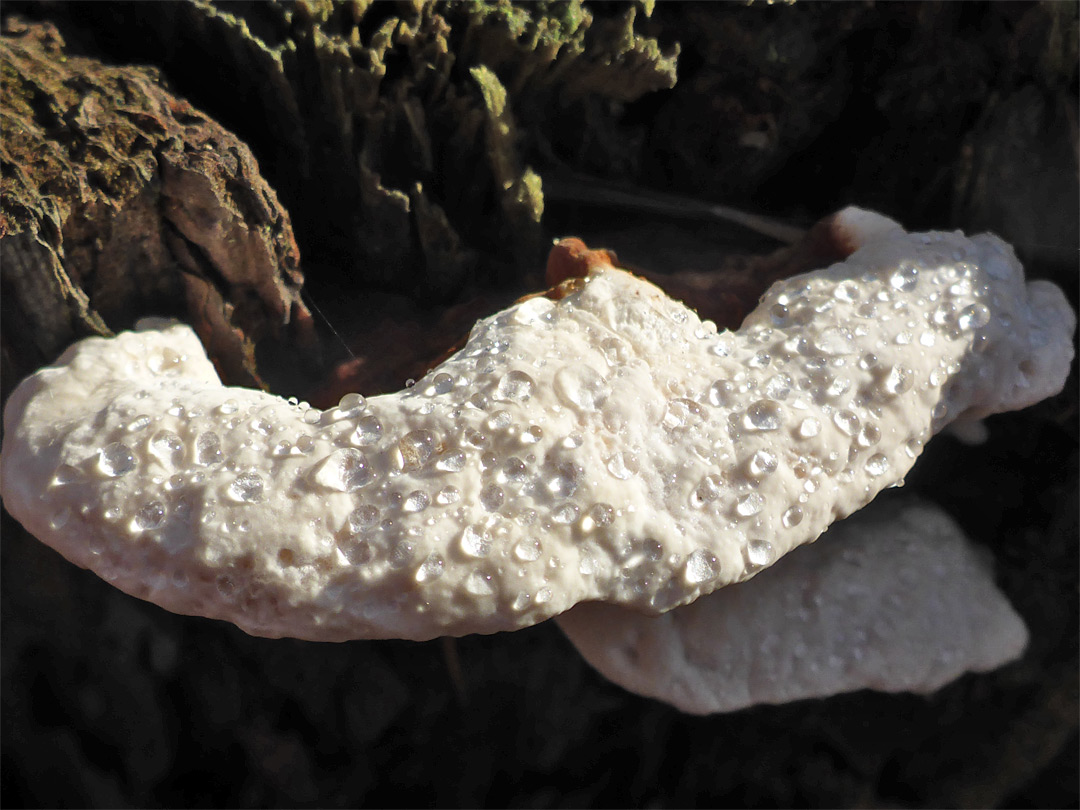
pixel 939 114
pixel 121 200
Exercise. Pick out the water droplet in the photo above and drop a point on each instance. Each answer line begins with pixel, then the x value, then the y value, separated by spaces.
pixel 115 459
pixel 139 423
pixel 778 387
pixel 622 465
pixel 765 414
pixel 528 550
pixel 721 393
pixel 451 462
pixel 150 516
pixel 401 554
pixel 432 568
pixel 305 444
pixel 208 449
pixel 792 517
pixel 514 470
pixel 164 362
pixel 702 566
pixel 683 413
pixel 479 584
pixel 601 514
pixel 500 420
pixel 758 553
pixel 532 435
pixel 847 422
pixel 847 291
pixel 869 435
pixel 567 513
pixel 515 386
pixel 229 406
pixel 877 464
pixel 66 474
pixel 762 463
pixel 898 381
pixel 415 501
pixel 581 387
pixel 447 496
pixel 521 601
pixel 166 446
pixel 564 480
pixel 415 448
pixel 491 497
pixel 475 541
pixel 351 405
pixel 441 383
pixel 905 278
pixel 750 504
pixel 363 517
pixel 543 596
pixel 247 488
pixel 344 470
pixel 809 427
pixel 368 431
pixel 974 316
pixel 533 310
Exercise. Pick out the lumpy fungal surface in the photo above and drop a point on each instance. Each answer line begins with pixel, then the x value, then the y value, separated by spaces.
pixel 609 446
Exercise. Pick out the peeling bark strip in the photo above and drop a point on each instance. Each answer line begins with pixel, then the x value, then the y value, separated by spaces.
pixel 120 198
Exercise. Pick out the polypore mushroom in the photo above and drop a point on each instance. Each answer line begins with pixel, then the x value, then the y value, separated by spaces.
pixel 893 598
pixel 608 446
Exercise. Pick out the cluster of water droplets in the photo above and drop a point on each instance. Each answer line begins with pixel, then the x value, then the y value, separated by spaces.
pixel 522 459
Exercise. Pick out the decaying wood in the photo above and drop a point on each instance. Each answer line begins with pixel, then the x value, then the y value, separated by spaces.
pixel 119 199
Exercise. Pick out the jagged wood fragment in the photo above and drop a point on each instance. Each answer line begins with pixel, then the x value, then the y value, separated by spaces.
pixel 119 198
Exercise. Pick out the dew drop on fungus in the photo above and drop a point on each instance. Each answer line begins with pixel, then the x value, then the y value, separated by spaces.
pixel 150 516
pixel 447 496
pixel 515 386
pixel 762 463
pixel 749 505
pixel 877 464
pixel 115 459
pixel 792 517
pixel 762 415
pixel 208 449
pixel 415 448
pixel 491 497
pixel 344 470
pixel 368 431
pixel 247 488
pixel 475 541
pixel 528 550
pixel 432 568
pixel 451 462
pixel 363 517
pixel 166 446
pixel 416 501
pixel 702 566
pixel 758 553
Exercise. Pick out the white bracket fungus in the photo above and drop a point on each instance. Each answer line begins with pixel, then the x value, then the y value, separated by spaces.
pixel 609 446
pixel 894 598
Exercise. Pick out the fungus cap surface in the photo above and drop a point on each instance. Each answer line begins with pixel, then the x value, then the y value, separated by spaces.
pixel 609 446
pixel 894 598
